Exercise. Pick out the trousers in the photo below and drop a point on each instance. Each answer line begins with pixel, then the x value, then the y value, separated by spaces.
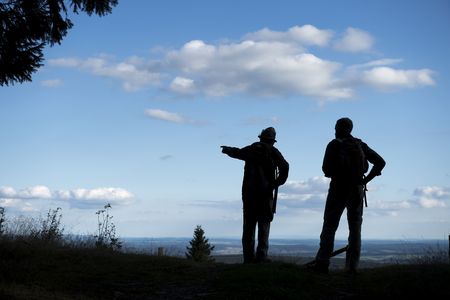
pixel 342 196
pixel 248 238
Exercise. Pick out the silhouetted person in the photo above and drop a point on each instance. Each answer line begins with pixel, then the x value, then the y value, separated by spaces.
pixel 345 162
pixel 265 169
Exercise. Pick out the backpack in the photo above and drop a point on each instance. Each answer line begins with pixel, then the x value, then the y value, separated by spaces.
pixel 353 162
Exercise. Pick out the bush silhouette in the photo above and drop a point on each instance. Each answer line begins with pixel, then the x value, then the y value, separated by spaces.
pixel 200 249
pixel 2 220
pixel 51 230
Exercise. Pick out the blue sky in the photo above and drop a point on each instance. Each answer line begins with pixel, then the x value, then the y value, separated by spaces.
pixel 131 109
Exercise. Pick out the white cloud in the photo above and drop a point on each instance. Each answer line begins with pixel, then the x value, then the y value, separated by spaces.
pixel 51 83
pixel 317 185
pixel 431 203
pixel 98 194
pixel 7 192
pixel 183 85
pixel 258 68
pixel 433 196
pixel 35 192
pixel 391 205
pixel 377 63
pixel 263 63
pixel 304 194
pixel 134 73
pixel 78 197
pixel 96 197
pixel 305 35
pixel 434 191
pixel 355 40
pixel 427 197
pixel 386 78
pixel 164 115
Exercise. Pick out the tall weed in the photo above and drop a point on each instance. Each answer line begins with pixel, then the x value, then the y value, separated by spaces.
pixel 106 230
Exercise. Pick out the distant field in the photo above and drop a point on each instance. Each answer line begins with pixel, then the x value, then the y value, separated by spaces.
pixel 299 251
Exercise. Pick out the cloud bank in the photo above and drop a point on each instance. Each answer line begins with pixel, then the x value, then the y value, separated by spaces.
pixel 263 63
pixel 79 198
pixel 433 196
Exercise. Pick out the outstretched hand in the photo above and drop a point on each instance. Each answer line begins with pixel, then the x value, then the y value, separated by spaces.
pixel 225 149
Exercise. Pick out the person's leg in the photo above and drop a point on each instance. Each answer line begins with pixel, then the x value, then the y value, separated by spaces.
pixel 248 238
pixel 263 241
pixel 354 218
pixel 334 207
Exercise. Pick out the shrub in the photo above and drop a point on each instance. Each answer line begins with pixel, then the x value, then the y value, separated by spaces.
pixel 51 230
pixel 2 220
pixel 23 227
pixel 33 230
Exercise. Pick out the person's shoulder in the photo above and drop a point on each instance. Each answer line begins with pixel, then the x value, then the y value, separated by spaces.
pixel 257 145
pixel 365 148
pixel 357 139
pixel 334 143
pixel 360 141
pixel 275 150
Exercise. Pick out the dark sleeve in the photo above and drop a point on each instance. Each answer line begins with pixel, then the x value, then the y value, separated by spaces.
pixel 329 159
pixel 375 159
pixel 282 165
pixel 238 153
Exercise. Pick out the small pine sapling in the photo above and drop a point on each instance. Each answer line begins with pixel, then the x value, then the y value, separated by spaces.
pixel 200 249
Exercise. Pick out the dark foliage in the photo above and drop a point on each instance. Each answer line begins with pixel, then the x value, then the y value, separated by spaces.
pixel 2 220
pixel 106 230
pixel 26 27
pixel 200 249
pixel 51 230
pixel 41 271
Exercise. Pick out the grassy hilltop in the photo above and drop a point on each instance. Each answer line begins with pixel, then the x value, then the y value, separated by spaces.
pixel 38 262
pixel 44 271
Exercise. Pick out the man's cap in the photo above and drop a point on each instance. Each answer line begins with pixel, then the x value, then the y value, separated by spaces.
pixel 344 125
pixel 268 134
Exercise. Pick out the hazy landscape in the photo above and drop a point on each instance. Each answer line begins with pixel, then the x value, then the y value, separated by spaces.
pixel 228 250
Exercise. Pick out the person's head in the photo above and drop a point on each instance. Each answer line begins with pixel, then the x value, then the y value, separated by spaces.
pixel 343 127
pixel 268 136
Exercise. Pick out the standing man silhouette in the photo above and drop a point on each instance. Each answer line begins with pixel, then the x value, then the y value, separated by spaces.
pixel 265 169
pixel 345 162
